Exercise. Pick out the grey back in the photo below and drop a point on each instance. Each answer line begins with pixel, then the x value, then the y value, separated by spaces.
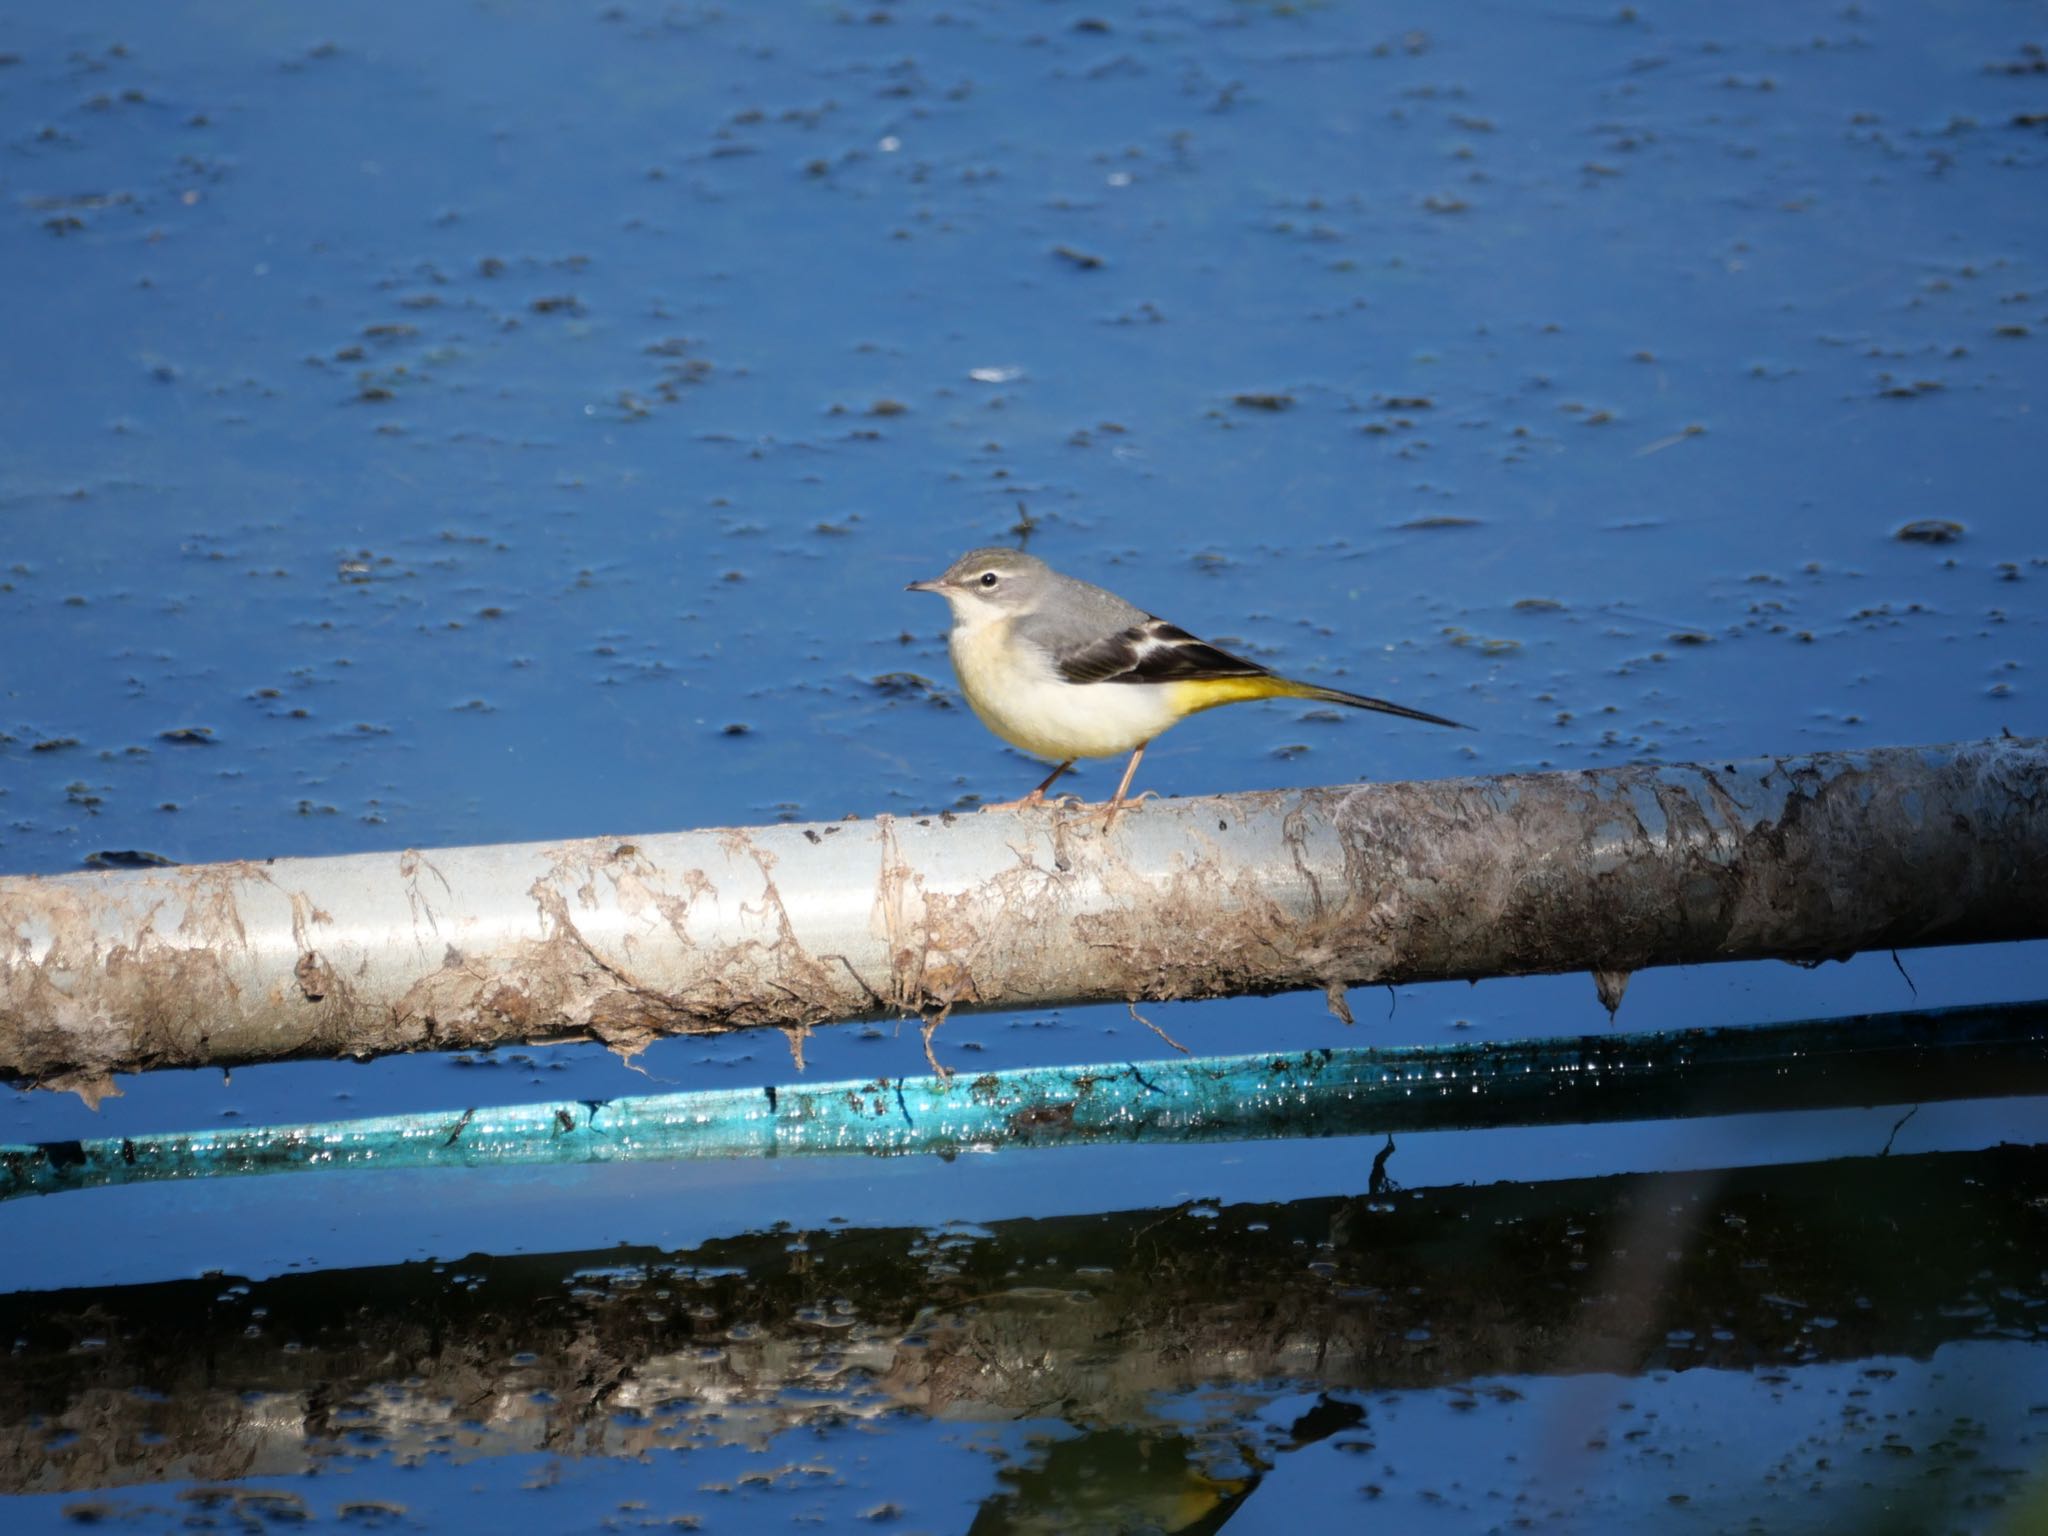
pixel 1075 614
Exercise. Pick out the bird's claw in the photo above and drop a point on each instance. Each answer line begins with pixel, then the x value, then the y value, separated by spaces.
pixel 1106 812
pixel 1027 802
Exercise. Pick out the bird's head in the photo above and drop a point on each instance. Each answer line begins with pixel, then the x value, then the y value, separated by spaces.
pixel 988 584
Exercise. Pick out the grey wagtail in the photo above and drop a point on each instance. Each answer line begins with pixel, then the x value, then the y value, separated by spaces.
pixel 1064 670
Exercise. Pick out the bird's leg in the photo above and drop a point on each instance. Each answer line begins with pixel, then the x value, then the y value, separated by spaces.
pixel 1116 801
pixel 1037 796
pixel 1130 772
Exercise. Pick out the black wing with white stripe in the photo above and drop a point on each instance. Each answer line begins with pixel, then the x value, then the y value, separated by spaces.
pixel 1154 652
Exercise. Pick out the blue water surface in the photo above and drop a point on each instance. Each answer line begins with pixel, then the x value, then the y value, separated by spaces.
pixel 462 423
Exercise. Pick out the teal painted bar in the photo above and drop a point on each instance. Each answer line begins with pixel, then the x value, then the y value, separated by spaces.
pixel 1871 1059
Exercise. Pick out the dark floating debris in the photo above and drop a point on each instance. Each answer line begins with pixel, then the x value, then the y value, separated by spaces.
pixel 189 735
pixel 2032 60
pixel 1087 261
pixel 127 858
pixel 1256 400
pixel 909 685
pixel 901 684
pixel 1930 530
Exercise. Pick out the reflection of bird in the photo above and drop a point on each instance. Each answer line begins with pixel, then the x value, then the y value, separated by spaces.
pixel 1107 1482
pixel 1064 670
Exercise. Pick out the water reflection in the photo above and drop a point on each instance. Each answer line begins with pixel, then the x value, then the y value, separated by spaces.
pixel 1114 1480
pixel 1145 1333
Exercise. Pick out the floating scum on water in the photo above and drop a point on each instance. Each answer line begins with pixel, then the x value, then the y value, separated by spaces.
pixel 624 940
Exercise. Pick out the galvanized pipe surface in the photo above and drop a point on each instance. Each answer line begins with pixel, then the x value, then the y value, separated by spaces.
pixel 627 939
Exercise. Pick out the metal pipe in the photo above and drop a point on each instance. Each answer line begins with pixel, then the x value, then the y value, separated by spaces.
pixel 627 939
pixel 1824 1063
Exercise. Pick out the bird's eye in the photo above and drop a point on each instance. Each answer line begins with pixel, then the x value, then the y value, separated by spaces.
pixel 988 578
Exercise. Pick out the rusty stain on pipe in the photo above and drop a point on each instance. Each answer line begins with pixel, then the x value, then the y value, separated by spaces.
pixel 625 940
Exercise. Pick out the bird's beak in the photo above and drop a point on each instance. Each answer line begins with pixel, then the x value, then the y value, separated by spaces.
pixel 926 586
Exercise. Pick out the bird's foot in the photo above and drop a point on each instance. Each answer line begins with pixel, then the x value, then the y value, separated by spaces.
pixel 1108 811
pixel 1028 802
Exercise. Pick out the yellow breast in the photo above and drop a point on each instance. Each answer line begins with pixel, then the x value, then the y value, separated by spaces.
pixel 1020 695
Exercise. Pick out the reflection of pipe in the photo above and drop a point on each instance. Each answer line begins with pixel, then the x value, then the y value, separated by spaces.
pixel 625 940
pixel 1875 1059
pixel 627 1351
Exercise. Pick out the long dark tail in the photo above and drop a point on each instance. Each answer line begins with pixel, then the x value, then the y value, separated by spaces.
pixel 1360 701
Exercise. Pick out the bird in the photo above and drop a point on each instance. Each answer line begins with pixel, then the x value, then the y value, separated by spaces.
pixel 1063 669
